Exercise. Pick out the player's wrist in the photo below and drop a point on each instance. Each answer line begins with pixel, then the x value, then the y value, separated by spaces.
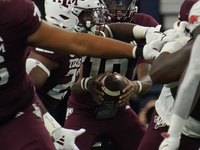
pixel 84 83
pixel 50 123
pixel 139 32
pixel 138 86
pixel 137 52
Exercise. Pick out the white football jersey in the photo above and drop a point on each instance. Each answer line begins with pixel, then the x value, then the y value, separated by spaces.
pixel 165 104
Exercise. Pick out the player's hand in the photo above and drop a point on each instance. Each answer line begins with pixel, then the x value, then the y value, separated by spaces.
pixel 152 33
pixel 64 139
pixel 180 27
pixel 170 142
pixel 180 41
pixel 96 94
pixel 128 91
pixel 153 47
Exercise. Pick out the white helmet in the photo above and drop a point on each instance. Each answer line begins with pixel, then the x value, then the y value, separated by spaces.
pixel 73 15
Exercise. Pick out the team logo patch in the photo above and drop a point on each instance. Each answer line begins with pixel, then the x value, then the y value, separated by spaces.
pixel 194 18
pixel 69 112
pixel 158 122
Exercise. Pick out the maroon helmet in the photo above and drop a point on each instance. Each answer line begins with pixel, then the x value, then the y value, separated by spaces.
pixel 119 10
pixel 185 9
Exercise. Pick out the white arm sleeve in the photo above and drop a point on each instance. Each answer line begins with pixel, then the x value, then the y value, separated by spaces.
pixel 187 89
pixel 32 63
pixel 186 92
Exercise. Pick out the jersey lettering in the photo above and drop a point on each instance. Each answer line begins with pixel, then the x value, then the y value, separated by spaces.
pixel 37 12
pixel 4 75
pixel 75 63
pixel 67 3
pixel 56 92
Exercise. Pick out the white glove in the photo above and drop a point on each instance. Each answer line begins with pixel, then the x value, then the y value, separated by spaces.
pixel 152 33
pixel 180 27
pixel 170 142
pixel 180 41
pixel 64 139
pixel 175 45
pixel 151 50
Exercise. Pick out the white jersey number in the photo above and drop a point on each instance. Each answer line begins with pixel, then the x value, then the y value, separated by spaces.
pixel 4 75
pixel 109 65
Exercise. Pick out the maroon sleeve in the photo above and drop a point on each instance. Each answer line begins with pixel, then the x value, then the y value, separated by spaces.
pixel 31 19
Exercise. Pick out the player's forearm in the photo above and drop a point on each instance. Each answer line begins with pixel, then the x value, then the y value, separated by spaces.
pixel 122 31
pixel 168 68
pixel 144 77
pixel 59 40
pixel 77 88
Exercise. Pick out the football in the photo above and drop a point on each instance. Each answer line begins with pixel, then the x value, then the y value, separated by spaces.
pixel 114 84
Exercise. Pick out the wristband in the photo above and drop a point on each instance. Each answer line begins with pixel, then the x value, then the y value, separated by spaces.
pixel 50 123
pixel 137 52
pixel 139 31
pixel 139 86
pixel 84 82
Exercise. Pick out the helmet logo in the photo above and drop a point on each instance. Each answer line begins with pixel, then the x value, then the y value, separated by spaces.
pixel 67 3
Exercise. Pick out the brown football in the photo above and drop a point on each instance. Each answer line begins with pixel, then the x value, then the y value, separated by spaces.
pixel 114 84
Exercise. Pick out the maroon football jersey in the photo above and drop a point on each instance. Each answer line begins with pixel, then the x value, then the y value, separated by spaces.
pixel 60 79
pixel 16 88
pixel 124 66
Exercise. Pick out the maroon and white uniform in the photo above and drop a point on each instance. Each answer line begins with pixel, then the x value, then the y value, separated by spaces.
pixel 61 79
pixel 161 118
pixel 125 128
pixel 21 126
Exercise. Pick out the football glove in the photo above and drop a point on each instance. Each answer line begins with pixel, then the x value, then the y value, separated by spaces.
pixel 170 142
pixel 180 41
pixel 155 34
pixel 64 139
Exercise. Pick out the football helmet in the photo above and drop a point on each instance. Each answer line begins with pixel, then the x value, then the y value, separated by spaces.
pixel 119 10
pixel 185 9
pixel 78 16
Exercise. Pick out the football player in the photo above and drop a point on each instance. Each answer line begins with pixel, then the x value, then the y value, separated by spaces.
pixel 84 109
pixel 21 25
pixel 167 69
pixel 48 70
pixel 186 115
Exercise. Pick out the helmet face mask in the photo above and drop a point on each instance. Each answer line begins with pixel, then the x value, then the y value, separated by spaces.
pixel 89 19
pixel 80 16
pixel 119 10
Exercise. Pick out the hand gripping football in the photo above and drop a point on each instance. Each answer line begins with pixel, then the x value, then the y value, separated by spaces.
pixel 114 84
